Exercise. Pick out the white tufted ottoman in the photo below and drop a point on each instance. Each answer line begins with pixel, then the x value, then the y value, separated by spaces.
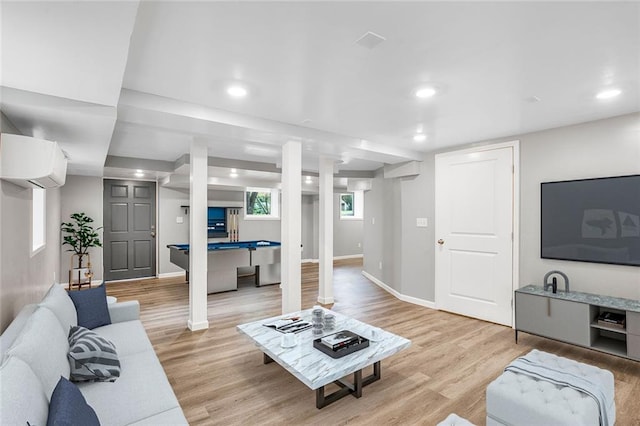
pixel 517 399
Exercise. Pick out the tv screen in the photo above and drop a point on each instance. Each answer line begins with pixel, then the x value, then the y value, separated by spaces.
pixel 592 220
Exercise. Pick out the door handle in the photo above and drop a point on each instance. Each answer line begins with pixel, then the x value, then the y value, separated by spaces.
pixel 441 241
pixel 153 234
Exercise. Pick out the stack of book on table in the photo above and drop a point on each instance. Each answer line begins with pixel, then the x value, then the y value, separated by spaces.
pixel 340 339
pixel 339 344
pixel 612 319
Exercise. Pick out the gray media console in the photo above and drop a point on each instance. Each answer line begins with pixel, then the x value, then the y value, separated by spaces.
pixel 573 318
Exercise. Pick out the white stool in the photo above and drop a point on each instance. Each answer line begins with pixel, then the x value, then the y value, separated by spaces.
pixel 518 399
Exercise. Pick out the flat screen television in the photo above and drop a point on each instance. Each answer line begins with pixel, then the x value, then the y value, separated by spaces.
pixel 591 220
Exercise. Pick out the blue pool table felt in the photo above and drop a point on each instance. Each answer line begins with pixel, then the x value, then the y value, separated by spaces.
pixel 251 245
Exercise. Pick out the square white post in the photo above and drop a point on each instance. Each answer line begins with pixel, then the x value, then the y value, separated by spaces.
pixel 325 289
pixel 198 237
pixel 291 226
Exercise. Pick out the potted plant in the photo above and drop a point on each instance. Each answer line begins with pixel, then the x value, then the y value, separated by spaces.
pixel 81 235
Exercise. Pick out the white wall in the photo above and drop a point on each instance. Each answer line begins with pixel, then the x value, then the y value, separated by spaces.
pixel 25 277
pixel 347 233
pixel 82 194
pixel 601 148
pixel 596 149
pixel 309 218
pixel 169 231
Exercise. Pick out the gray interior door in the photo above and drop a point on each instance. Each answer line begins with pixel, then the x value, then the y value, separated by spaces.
pixel 129 229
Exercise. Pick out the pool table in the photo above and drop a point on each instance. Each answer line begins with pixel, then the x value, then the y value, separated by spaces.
pixel 224 259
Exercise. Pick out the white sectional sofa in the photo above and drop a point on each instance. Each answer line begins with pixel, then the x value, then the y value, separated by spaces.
pixel 34 355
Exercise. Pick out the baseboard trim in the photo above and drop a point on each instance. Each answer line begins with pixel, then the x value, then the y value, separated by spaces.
pixel 325 300
pixel 195 326
pixel 171 274
pixel 410 299
pixel 348 256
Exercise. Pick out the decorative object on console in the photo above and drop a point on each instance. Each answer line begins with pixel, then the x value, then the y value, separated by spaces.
pixel 612 319
pixel 81 236
pixel 91 307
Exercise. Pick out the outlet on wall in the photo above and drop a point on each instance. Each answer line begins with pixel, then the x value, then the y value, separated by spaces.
pixel 380 265
pixel 359 245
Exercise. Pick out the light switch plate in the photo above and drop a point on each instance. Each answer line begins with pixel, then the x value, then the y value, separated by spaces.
pixel 422 222
pixel 179 219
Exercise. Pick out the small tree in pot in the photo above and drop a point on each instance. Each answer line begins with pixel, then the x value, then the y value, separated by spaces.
pixel 81 235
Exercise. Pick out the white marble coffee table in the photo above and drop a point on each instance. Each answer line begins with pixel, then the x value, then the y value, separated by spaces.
pixel 316 369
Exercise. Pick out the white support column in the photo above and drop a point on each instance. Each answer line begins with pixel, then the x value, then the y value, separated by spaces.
pixel 291 226
pixel 198 238
pixel 325 290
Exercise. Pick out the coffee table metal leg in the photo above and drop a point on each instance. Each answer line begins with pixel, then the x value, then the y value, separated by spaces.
pixel 354 389
pixel 377 375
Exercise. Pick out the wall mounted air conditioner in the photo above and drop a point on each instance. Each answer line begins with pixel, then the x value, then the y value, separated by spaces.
pixel 31 162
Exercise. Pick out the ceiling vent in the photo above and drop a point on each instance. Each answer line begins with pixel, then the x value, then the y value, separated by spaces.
pixel 370 40
pixel 31 162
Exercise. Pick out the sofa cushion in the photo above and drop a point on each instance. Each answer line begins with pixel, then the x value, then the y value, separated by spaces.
pixel 22 395
pixel 141 391
pixel 11 333
pixel 92 357
pixel 129 337
pixel 43 346
pixel 175 416
pixel 68 407
pixel 59 302
pixel 91 306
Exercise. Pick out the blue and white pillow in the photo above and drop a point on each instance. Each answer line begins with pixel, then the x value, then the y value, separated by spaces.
pixel 92 357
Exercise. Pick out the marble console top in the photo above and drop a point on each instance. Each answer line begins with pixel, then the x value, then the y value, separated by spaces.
pixel 589 298
pixel 308 364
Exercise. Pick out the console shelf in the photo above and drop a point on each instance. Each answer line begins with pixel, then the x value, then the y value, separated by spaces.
pixel 573 318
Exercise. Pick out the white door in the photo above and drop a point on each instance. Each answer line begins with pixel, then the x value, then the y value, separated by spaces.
pixel 474 232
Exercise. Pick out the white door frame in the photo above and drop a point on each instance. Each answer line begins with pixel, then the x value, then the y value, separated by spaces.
pixel 515 145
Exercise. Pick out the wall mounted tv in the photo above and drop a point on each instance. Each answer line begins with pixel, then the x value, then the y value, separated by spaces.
pixel 591 220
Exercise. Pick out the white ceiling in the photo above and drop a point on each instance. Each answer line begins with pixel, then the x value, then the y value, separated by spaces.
pixel 142 80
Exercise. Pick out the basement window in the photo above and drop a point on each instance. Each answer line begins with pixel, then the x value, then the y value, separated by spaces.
pixel 38 219
pixel 351 205
pixel 262 203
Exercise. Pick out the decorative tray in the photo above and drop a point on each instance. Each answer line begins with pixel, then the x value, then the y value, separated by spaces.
pixel 349 348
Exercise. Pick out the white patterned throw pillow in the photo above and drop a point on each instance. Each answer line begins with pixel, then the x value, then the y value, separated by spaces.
pixel 92 357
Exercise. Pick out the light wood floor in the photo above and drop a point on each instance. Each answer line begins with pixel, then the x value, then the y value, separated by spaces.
pixel 219 378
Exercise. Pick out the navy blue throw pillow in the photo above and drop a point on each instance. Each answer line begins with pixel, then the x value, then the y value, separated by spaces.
pixel 68 407
pixel 91 306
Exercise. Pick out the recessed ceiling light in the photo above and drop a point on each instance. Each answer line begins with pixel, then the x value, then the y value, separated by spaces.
pixel 233 175
pixel 420 137
pixel 608 94
pixel 234 171
pixel 237 91
pixel 308 181
pixel 425 92
pixel 139 174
